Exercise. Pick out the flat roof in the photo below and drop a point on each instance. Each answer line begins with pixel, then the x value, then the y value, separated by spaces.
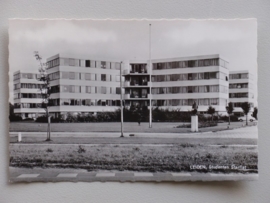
pixel 198 57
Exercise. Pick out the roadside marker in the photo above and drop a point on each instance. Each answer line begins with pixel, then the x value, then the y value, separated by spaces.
pixel 105 174
pixel 28 176
pixel 181 174
pixel 67 175
pixel 19 137
pixel 143 174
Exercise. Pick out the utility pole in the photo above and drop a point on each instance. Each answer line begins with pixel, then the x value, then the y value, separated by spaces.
pixel 150 81
pixel 122 135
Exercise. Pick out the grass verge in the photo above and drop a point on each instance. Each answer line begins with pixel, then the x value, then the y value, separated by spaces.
pixel 150 158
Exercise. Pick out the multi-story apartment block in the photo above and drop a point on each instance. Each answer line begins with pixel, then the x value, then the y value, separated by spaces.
pixel 241 89
pixel 179 82
pixel 27 97
pixel 86 85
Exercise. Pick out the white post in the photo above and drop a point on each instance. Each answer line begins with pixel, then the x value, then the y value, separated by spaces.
pixel 19 137
pixel 122 135
pixel 194 123
pixel 150 81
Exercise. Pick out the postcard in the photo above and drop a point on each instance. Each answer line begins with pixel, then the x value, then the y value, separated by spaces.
pixel 133 100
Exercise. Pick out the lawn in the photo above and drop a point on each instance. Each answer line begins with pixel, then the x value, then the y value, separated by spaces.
pixel 111 127
pixel 137 157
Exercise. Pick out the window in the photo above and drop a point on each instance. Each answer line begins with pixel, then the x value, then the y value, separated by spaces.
pixel 190 89
pixel 72 62
pixel 87 76
pixel 213 75
pixel 103 64
pixel 103 90
pixel 117 66
pixel 200 76
pixel 117 78
pixel 190 76
pixel 213 101
pixel 71 75
pixel 54 76
pixel 206 75
pixel 65 75
pixel 175 90
pixel 185 76
pixel 144 93
pixel 103 77
pixel 118 90
pixel 214 88
pixel 87 63
pixel 194 76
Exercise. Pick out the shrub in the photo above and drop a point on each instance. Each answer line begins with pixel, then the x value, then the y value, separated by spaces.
pixel 49 150
pixel 28 119
pixel 81 149
pixel 42 119
pixel 201 124
pixel 233 118
pixel 14 118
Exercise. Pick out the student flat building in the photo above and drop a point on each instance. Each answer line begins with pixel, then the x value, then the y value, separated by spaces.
pixel 241 89
pixel 88 86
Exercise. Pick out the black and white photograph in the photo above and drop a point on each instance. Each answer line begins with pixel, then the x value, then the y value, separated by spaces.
pixel 133 100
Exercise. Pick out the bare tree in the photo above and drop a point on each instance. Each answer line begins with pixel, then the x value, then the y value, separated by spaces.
pixel 229 109
pixel 246 108
pixel 45 91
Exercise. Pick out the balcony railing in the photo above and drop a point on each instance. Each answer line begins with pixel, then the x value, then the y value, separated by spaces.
pixel 138 83
pixel 133 71
pixel 138 96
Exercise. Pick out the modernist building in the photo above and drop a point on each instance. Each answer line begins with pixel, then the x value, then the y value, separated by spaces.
pixel 179 82
pixel 241 89
pixel 87 86
pixel 27 97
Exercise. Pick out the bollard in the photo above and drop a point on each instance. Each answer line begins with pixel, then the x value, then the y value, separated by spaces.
pixel 19 137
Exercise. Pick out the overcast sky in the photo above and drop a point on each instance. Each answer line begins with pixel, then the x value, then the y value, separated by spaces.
pixel 235 40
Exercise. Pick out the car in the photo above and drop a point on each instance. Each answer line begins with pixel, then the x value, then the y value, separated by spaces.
pixel 249 118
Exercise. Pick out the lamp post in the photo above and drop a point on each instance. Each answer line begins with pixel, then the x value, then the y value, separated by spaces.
pixel 122 135
pixel 150 81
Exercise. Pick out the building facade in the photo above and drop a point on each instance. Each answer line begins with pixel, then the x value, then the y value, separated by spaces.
pixel 26 94
pixel 241 89
pixel 89 86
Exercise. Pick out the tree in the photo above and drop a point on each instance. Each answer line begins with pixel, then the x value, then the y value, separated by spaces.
pixel 194 110
pixel 229 109
pixel 246 108
pixel 211 110
pixel 45 91
pixel 11 109
pixel 255 113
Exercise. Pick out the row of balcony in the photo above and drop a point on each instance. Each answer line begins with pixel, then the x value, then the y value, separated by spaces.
pixel 126 72
pixel 140 96
pixel 135 83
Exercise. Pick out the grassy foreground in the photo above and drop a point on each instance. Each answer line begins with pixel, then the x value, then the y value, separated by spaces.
pixel 152 158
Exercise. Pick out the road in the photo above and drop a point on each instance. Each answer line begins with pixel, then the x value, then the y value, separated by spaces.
pixel 72 175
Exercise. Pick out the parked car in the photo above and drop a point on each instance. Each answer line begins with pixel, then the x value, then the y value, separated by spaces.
pixel 249 118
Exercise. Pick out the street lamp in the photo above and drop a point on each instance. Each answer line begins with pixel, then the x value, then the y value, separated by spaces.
pixel 150 81
pixel 122 135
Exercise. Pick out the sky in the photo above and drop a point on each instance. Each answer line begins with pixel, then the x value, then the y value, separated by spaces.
pixel 234 40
